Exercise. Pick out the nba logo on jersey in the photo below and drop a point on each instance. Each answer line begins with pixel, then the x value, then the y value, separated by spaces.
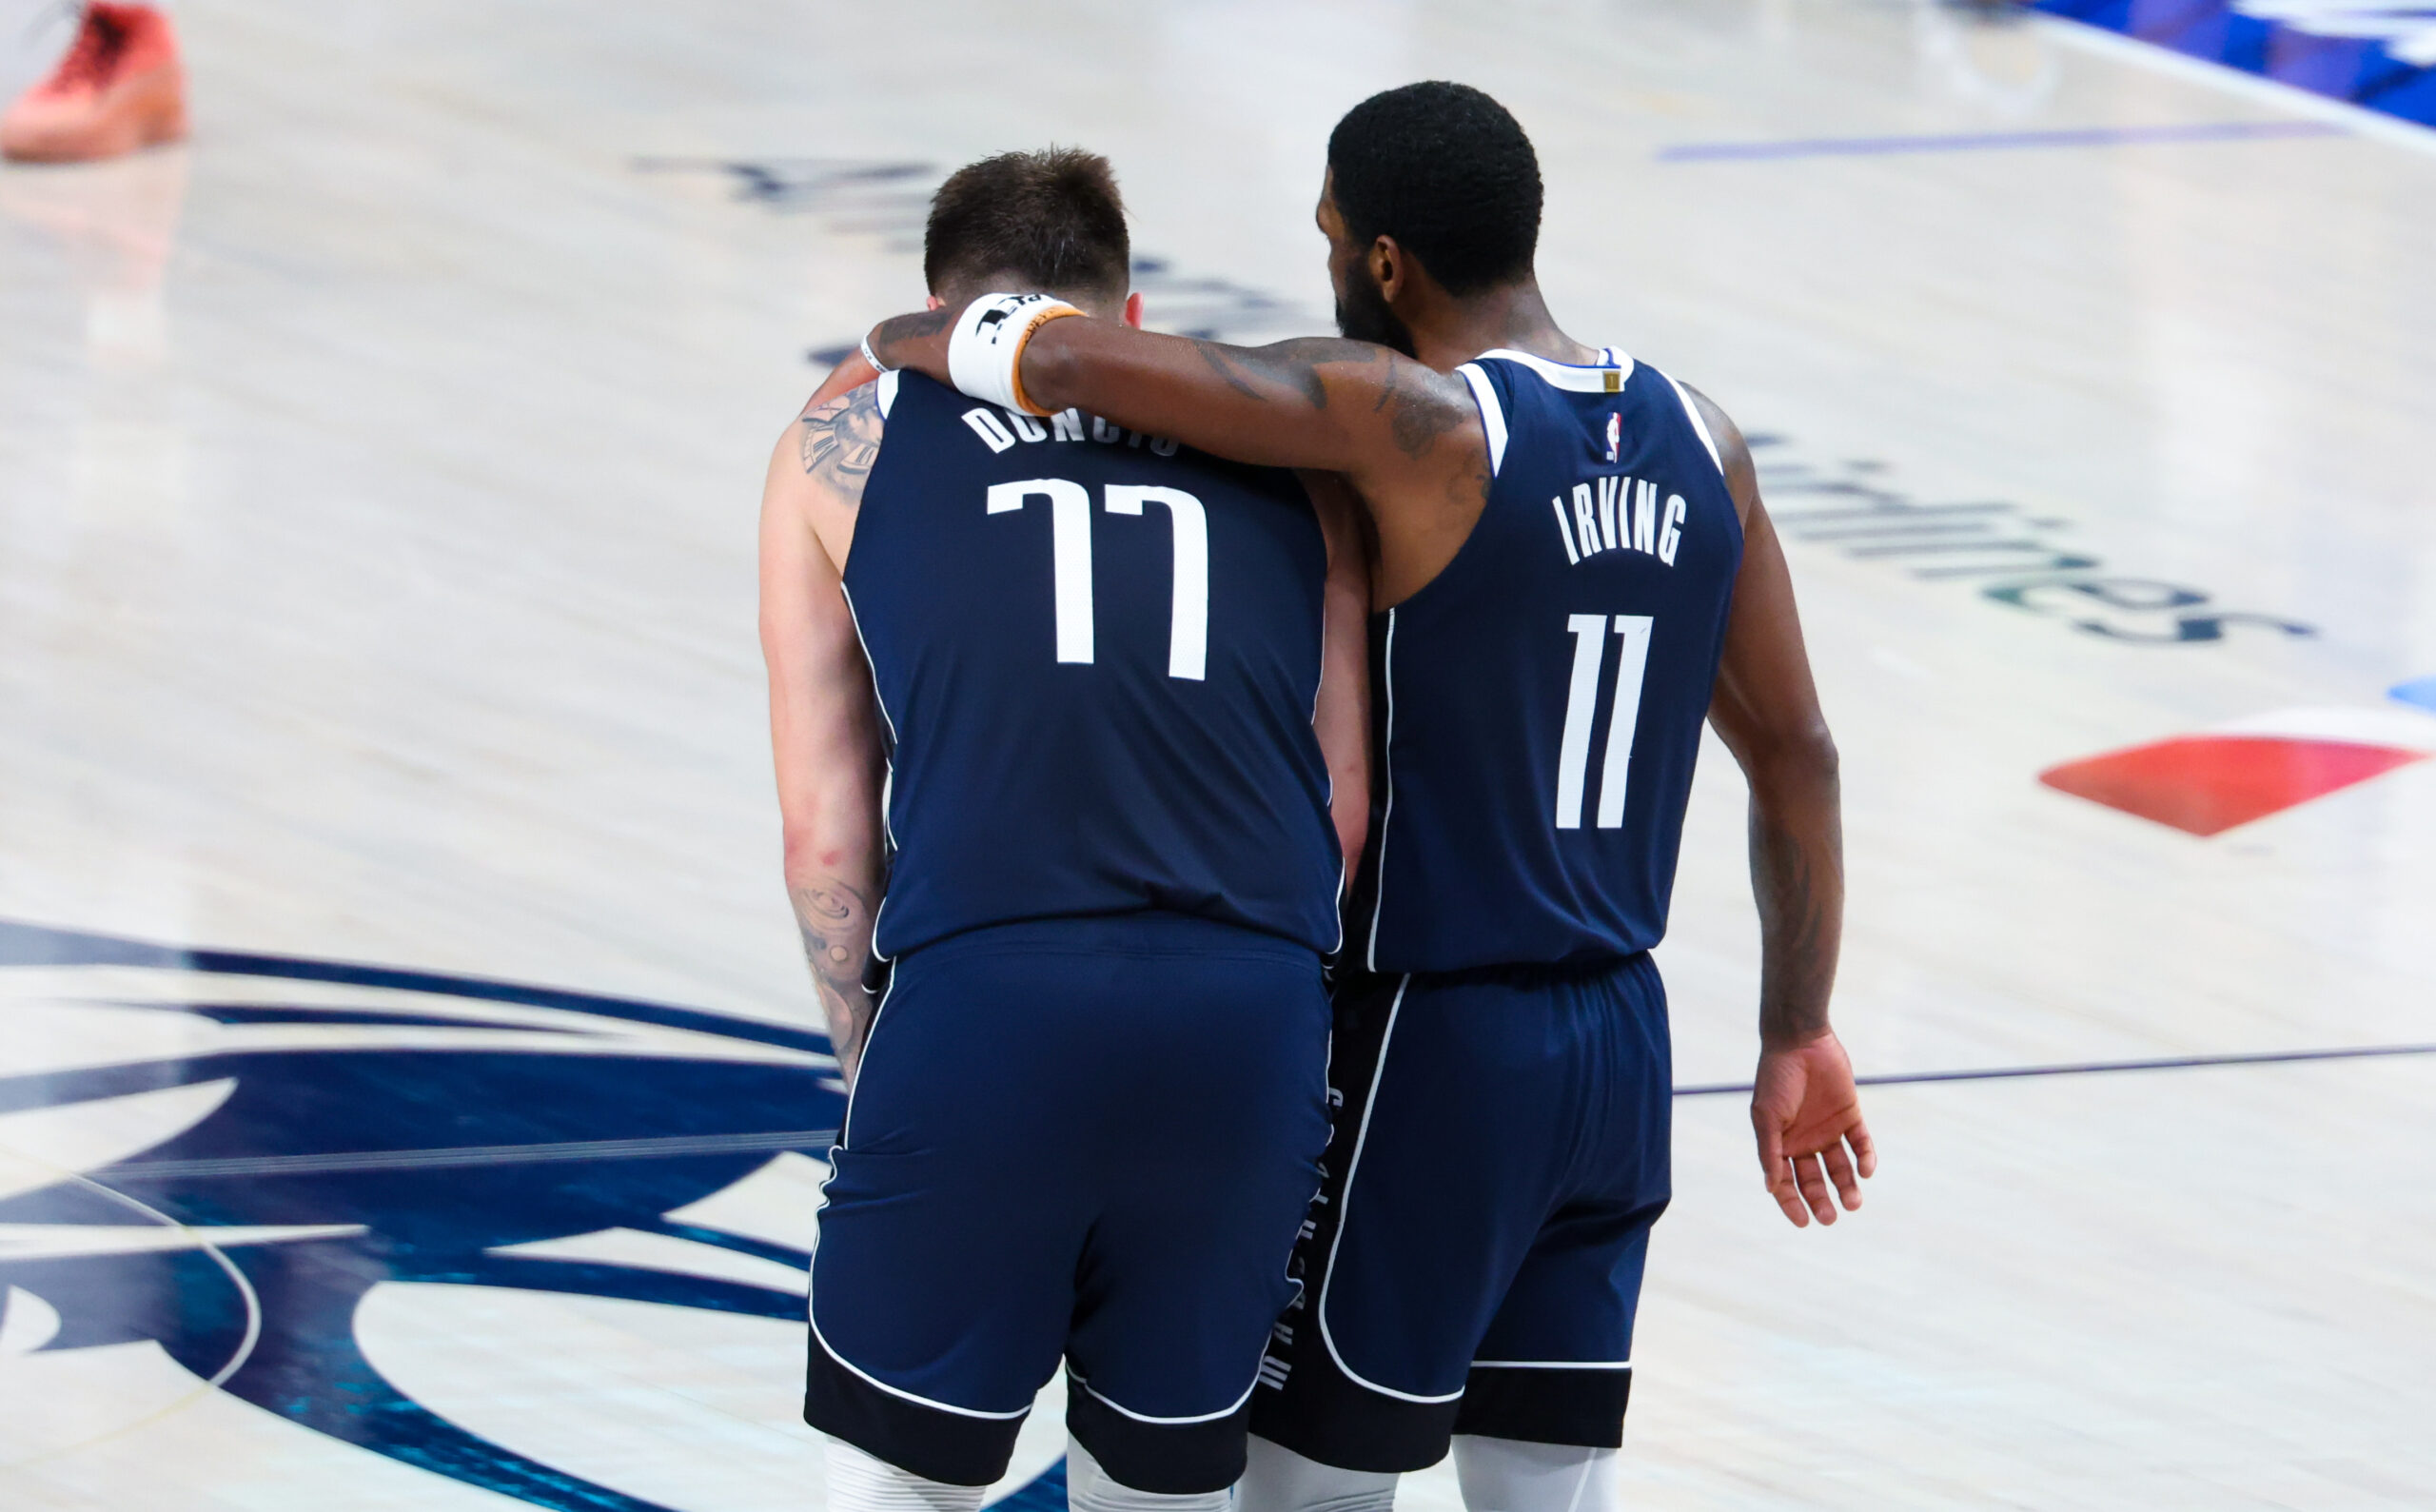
pixel 1615 434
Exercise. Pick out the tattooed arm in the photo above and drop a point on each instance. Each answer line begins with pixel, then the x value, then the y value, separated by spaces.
pixel 1406 437
pixel 824 724
pixel 1805 1110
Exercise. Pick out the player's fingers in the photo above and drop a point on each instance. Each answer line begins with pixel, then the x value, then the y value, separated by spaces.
pixel 1839 1170
pixel 1781 1187
pixel 1771 1133
pixel 1864 1150
pixel 1813 1189
pixel 1789 1199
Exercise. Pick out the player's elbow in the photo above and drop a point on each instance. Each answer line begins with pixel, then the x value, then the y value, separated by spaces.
pixel 812 853
pixel 1816 750
pixel 799 855
pixel 1799 760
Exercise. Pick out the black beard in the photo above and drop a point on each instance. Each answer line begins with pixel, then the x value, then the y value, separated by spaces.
pixel 1362 315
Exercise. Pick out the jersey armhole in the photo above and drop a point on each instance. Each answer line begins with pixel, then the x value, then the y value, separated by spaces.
pixel 1493 414
pixel 1699 426
pixel 884 392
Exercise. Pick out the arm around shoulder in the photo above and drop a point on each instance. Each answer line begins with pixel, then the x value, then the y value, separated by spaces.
pixel 1322 402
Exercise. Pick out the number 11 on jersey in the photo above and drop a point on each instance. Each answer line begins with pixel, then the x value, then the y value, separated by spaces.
pixel 1582 710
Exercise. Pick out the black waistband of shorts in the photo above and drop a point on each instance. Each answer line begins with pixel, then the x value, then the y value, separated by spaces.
pixel 1146 932
pixel 1539 973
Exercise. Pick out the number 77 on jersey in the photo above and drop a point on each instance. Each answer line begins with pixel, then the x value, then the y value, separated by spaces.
pixel 1070 536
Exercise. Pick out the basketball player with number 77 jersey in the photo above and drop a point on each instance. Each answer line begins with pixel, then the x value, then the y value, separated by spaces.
pixel 1573 571
pixel 1080 700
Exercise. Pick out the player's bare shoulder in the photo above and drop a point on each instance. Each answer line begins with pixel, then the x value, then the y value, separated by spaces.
pixel 839 442
pixel 821 468
pixel 1732 452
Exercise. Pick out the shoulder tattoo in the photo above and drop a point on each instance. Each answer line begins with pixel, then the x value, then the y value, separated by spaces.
pixel 841 440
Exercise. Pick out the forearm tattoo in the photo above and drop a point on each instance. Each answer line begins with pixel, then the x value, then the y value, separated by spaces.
pixel 836 919
pixel 1285 371
pixel 896 328
pixel 1800 927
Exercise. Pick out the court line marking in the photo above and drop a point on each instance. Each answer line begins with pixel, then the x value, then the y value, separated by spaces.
pixel 675 1146
pixel 236 1361
pixel 2162 1063
pixel 1998 141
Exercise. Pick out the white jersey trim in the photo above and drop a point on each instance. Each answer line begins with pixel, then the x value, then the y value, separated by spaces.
pixel 1344 864
pixel 1344 1207
pixel 846 1125
pixel 1699 426
pixel 1492 415
pixel 1387 775
pixel 867 1378
pixel 812 1310
pixel 888 778
pixel 1228 1411
pixel 1583 378
pixel 884 390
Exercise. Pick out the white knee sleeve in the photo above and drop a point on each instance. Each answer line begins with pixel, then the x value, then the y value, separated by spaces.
pixel 862 1482
pixel 1278 1480
pixel 1507 1475
pixel 1090 1488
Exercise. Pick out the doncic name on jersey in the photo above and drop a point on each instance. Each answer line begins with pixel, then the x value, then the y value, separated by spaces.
pixel 1005 428
pixel 352 1195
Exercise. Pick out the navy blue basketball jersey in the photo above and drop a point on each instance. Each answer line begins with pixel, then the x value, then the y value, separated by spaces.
pixel 1540 702
pixel 1098 654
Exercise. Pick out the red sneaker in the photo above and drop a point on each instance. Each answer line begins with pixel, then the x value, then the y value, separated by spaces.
pixel 119 88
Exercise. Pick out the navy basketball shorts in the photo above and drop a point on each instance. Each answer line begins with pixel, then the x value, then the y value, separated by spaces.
pixel 1475 1257
pixel 1082 1140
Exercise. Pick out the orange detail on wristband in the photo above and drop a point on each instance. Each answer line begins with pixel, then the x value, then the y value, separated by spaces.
pixel 1015 369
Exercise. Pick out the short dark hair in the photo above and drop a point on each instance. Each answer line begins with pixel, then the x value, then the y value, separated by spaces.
pixel 1052 220
pixel 1448 174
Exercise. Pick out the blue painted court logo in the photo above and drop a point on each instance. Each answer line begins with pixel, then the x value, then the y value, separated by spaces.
pixel 339 1192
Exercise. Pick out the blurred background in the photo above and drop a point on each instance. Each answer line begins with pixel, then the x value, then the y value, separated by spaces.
pixel 410 1094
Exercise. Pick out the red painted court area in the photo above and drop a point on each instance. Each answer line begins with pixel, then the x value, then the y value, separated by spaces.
pixel 2208 784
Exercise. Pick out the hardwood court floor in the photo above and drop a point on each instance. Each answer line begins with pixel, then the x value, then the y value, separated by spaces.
pixel 377 485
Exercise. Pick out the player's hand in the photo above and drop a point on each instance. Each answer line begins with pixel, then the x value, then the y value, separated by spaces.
pixel 1806 1113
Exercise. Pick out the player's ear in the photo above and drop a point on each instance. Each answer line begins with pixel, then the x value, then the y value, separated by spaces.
pixel 932 302
pixel 1389 266
pixel 1133 310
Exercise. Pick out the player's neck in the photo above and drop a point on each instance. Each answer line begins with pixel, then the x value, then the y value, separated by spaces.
pixel 1512 316
pixel 962 292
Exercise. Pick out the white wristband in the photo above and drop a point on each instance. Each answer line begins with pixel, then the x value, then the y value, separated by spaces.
pixel 986 351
